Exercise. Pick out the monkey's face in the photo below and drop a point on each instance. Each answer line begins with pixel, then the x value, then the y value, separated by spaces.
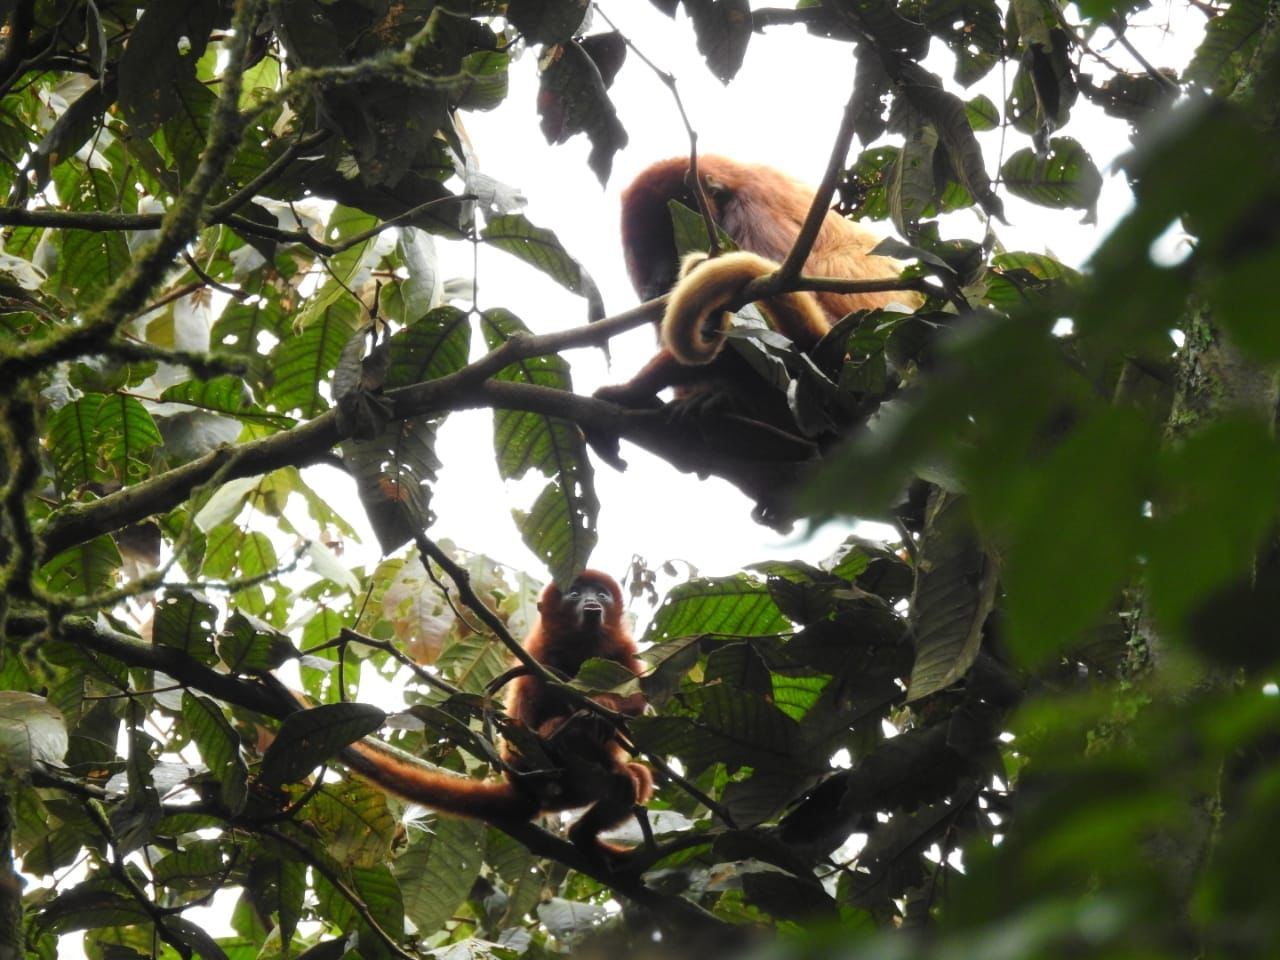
pixel 586 605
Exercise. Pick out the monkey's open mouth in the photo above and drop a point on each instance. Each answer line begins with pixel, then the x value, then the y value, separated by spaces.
pixel 592 611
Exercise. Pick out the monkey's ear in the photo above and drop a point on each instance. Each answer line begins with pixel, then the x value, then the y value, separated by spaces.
pixel 716 188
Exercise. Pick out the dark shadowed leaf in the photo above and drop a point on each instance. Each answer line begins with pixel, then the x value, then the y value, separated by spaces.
pixel 310 737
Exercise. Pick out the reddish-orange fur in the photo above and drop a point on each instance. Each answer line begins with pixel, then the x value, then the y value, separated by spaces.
pixel 762 210
pixel 569 631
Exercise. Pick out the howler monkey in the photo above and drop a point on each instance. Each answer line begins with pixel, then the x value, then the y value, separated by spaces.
pixel 762 211
pixel 573 625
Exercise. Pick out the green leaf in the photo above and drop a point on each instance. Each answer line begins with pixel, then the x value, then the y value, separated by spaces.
pixel 32 732
pixel 185 621
pixel 974 31
pixel 395 469
pixel 434 345
pixel 394 472
pixel 1085 499
pixel 233 550
pixel 310 737
pixel 723 28
pixel 572 99
pixel 955 592
pixel 483 82
pixel 437 871
pixel 163 50
pixel 869 181
pixel 473 662
pixel 96 902
pixel 249 645
pixel 725 726
pixel 226 396
pixel 1235 289
pixel 548 21
pixel 351 822
pixel 911 190
pixel 540 248
pixel 690 230
pixel 196 867
pixel 126 432
pixel 561 526
pixel 1217 504
pixel 949 118
pixel 83 570
pixel 982 113
pixel 186 131
pixel 737 606
pixel 219 747
pixel 377 889
pixel 73 442
pixel 303 362
pixel 1065 177
pixel 1230 40
pixel 421 291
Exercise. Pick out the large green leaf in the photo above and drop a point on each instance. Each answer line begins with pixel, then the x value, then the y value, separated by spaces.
pixel 437 871
pixel 732 606
pixel 542 249
pixel 32 732
pixel 955 592
pixel 219 748
pixel 310 737
pixel 1065 177
pixel 302 364
pixel 561 526
pixel 163 50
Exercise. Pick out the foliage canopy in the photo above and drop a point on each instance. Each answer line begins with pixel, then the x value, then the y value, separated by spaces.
pixel 1054 700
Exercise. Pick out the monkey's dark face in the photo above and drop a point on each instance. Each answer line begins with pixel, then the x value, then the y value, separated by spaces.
pixel 648 238
pixel 586 604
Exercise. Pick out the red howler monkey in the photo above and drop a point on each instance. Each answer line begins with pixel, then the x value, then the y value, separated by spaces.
pixel 573 626
pixel 762 210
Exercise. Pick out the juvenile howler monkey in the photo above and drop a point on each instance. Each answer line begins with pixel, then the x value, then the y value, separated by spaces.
pixel 573 626
pixel 762 211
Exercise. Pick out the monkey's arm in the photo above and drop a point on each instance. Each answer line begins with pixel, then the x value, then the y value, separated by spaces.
pixel 642 390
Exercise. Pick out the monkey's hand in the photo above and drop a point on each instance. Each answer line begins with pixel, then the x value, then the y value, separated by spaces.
pixel 628 395
pixel 605 442
pixel 580 726
pixel 698 405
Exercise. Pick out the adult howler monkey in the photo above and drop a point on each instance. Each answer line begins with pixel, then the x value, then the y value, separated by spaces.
pixel 762 211
pixel 573 625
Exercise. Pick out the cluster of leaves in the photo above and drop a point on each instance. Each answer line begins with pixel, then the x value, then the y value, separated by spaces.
pixel 186 327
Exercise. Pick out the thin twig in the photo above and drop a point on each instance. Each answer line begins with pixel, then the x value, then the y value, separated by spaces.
pixel 199 271
pixel 695 180
pixel 821 204
pixel 1117 27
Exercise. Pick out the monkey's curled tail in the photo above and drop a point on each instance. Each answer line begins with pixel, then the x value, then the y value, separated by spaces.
pixel 495 801
pixel 694 322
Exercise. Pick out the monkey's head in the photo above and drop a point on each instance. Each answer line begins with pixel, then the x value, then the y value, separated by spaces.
pixel 648 242
pixel 592 601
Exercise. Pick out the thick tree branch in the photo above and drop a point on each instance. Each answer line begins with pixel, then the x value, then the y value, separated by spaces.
pixel 760 459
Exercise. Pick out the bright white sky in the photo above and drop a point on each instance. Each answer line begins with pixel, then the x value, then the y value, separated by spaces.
pixel 782 109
